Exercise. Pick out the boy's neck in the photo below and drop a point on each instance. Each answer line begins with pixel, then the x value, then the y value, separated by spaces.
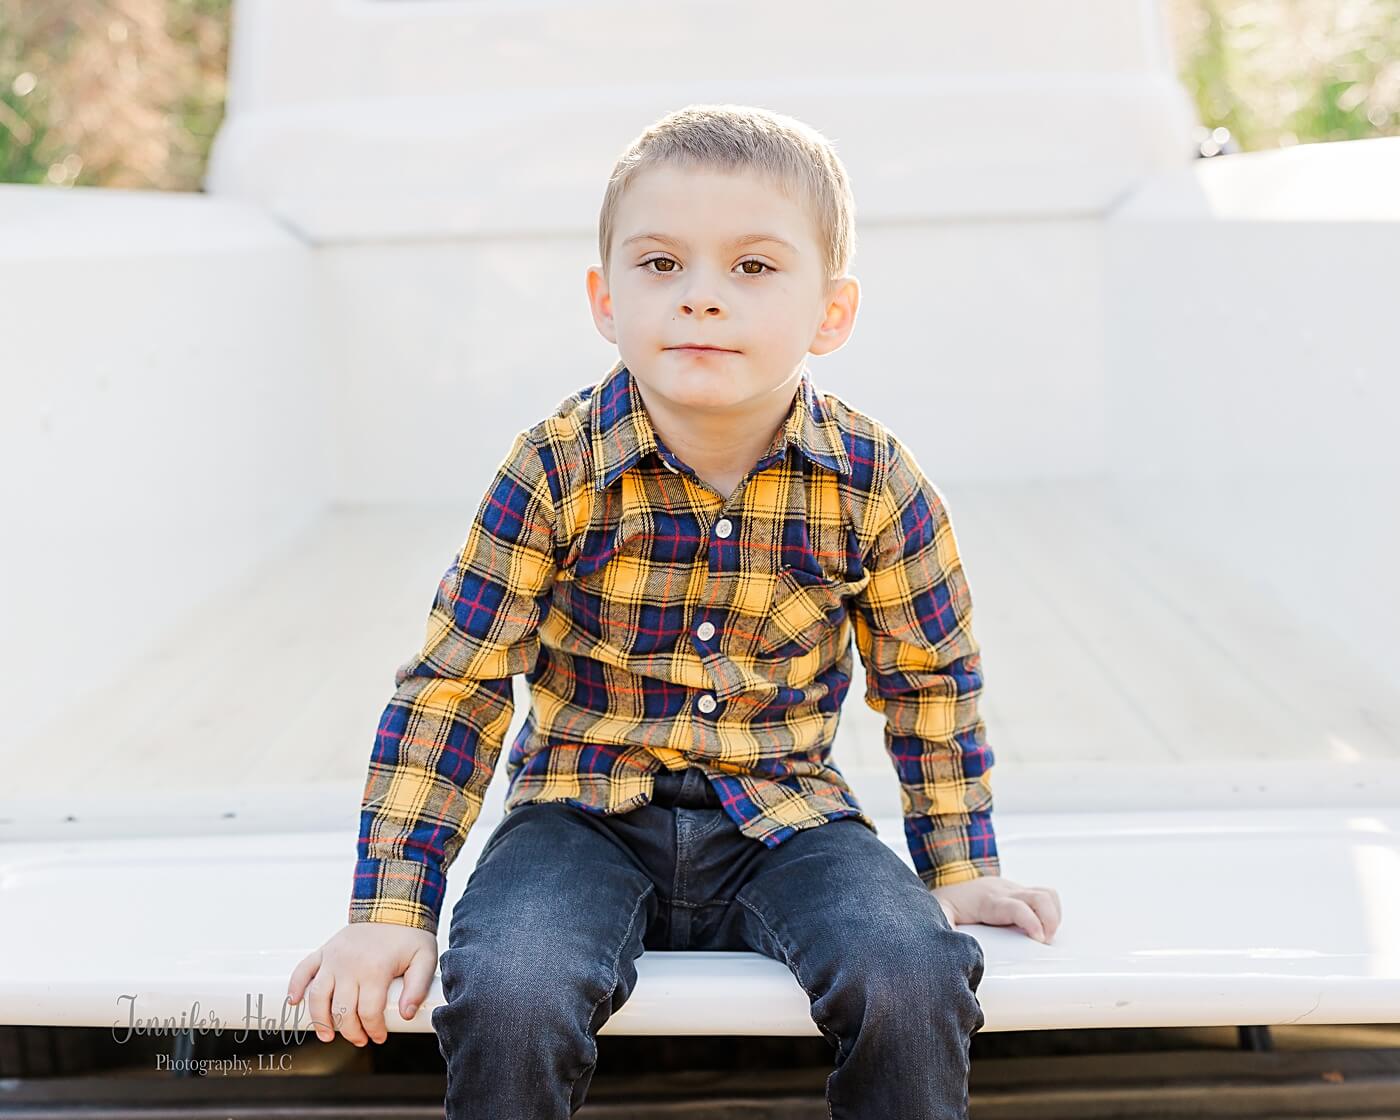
pixel 721 448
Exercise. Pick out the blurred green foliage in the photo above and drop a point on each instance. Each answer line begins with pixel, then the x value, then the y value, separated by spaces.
pixel 1283 72
pixel 96 93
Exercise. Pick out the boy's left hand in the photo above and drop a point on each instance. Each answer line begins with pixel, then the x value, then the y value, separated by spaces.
pixel 994 901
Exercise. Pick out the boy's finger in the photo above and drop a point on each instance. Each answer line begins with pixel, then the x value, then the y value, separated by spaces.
pixel 302 974
pixel 417 979
pixel 346 1011
pixel 1046 912
pixel 373 996
pixel 318 1005
pixel 1024 915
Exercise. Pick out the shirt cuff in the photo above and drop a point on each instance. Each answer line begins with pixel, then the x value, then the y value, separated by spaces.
pixel 403 892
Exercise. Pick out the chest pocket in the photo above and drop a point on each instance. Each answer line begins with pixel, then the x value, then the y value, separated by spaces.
pixel 806 608
pixel 584 588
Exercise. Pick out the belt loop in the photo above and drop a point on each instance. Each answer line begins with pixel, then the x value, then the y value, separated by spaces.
pixel 667 786
pixel 692 790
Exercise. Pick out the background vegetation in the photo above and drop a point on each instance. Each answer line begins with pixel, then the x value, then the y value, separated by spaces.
pixel 129 93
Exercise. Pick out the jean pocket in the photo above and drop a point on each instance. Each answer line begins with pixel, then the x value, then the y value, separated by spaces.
pixel 806 608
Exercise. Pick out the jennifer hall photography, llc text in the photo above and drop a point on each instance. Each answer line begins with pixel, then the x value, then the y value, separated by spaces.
pixel 287 1029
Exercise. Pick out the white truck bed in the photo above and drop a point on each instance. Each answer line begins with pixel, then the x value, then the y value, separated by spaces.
pixel 189 835
pixel 1110 649
pixel 1153 932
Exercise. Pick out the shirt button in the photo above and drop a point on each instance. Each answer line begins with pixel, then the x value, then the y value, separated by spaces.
pixel 707 703
pixel 705 631
pixel 723 527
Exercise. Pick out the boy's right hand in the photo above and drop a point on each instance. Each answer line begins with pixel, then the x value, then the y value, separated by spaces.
pixel 347 979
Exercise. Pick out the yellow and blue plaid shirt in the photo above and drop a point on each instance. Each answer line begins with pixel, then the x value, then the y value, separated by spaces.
pixel 662 624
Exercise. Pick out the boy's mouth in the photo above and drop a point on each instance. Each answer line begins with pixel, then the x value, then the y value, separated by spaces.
pixel 703 349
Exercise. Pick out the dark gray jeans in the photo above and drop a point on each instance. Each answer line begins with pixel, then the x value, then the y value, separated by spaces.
pixel 543 944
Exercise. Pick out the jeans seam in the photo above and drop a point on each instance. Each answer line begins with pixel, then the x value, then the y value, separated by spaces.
pixel 811 996
pixel 680 881
pixel 617 957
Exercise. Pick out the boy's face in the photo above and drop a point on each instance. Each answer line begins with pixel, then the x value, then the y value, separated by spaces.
pixel 765 304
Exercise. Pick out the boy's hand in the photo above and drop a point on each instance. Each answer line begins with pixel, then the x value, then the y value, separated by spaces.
pixel 347 979
pixel 994 901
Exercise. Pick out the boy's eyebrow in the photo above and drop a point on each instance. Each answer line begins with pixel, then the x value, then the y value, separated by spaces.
pixel 745 239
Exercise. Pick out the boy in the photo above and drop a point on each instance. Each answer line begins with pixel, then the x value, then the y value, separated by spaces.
pixel 673 558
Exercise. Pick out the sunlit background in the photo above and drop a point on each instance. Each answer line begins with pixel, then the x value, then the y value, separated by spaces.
pixel 130 93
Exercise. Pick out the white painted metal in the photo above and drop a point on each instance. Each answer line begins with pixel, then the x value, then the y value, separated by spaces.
pixel 1252 395
pixel 1172 919
pixel 163 432
pixel 1109 679
pixel 371 119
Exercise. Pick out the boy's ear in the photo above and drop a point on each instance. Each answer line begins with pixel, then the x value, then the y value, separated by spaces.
pixel 600 302
pixel 842 300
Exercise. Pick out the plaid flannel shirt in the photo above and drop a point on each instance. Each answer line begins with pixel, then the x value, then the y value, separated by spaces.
pixel 661 624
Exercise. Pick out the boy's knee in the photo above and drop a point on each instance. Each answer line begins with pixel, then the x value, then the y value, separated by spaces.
pixel 499 989
pixel 492 975
pixel 920 964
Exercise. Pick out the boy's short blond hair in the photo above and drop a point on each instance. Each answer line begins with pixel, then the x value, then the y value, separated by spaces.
pixel 794 156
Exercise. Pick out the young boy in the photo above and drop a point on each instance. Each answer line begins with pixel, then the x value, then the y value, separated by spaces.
pixel 677 558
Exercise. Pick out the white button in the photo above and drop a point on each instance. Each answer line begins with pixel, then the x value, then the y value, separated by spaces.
pixel 723 527
pixel 705 631
pixel 707 703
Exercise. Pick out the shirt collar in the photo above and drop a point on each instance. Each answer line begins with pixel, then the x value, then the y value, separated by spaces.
pixel 622 433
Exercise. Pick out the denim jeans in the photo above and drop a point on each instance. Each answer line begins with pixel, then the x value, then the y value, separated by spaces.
pixel 544 939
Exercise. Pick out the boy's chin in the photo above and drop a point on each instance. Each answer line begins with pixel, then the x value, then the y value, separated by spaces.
pixel 714 397
pixel 696 386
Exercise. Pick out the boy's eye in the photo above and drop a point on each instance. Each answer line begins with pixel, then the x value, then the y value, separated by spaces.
pixel 762 265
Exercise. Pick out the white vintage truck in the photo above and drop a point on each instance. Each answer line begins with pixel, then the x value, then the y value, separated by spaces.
pixel 1173 472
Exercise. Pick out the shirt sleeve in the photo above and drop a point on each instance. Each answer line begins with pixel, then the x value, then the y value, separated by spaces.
pixel 913 630
pixel 441 732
